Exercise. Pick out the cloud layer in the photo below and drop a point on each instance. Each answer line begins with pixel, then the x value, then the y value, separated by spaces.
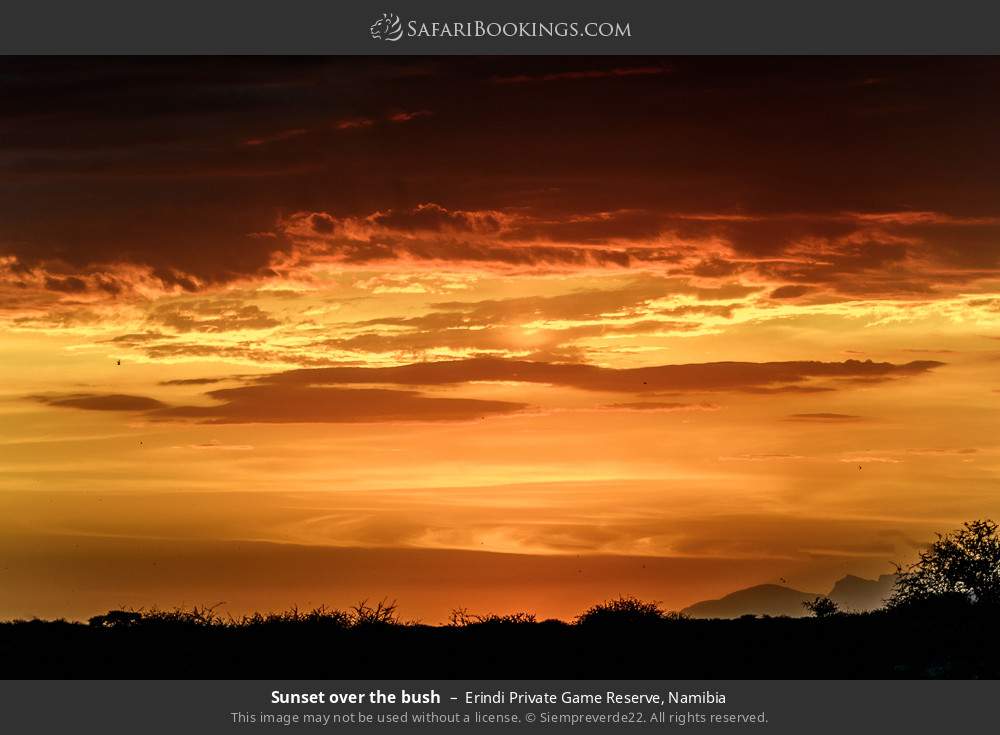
pixel 318 395
pixel 864 178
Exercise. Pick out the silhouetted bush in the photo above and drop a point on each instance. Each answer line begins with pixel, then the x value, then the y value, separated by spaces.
pixel 822 607
pixel 381 613
pixel 195 617
pixel 116 619
pixel 624 611
pixel 460 617
pixel 319 616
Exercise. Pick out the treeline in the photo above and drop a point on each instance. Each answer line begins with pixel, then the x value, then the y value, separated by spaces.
pixel 943 638
pixel 941 622
pixel 623 610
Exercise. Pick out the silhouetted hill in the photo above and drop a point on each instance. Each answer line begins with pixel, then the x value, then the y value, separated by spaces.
pixel 764 599
pixel 851 593
pixel 860 595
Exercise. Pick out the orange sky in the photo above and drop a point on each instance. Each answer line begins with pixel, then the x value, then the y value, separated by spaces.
pixel 574 336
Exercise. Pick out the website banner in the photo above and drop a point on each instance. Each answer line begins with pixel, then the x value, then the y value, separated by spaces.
pixel 518 26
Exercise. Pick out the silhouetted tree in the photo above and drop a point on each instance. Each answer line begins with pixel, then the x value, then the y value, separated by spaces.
pixel 964 563
pixel 822 607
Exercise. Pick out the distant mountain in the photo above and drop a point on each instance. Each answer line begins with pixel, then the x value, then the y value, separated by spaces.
pixel 851 593
pixel 764 599
pixel 859 595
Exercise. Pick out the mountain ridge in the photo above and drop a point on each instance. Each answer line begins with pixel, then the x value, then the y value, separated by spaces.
pixel 851 593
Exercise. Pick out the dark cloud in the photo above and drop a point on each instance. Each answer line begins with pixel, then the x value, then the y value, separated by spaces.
pixel 790 292
pixel 825 417
pixel 434 217
pixel 791 389
pixel 318 395
pixel 715 268
pixel 101 402
pixel 290 403
pixel 137 339
pixel 258 351
pixel 430 232
pixel 596 228
pixel 718 376
pixel 986 304
pixel 322 223
pixel 662 406
pixel 66 285
pixel 192 381
pixel 627 300
pixel 282 402
pixel 112 164
pixel 222 315
pixel 850 253
pixel 502 340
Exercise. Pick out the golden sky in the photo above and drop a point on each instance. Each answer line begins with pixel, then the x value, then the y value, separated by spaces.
pixel 503 334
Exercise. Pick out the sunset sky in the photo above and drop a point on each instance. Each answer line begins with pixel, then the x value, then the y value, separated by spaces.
pixel 508 333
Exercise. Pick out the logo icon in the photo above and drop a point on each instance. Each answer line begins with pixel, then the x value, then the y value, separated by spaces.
pixel 387 28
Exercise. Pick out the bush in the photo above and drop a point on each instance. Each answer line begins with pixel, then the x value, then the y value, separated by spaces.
pixel 625 610
pixel 461 618
pixel 822 607
pixel 116 619
pixel 381 613
pixel 321 615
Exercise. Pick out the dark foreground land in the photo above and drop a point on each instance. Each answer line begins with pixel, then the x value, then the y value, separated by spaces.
pixel 944 641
